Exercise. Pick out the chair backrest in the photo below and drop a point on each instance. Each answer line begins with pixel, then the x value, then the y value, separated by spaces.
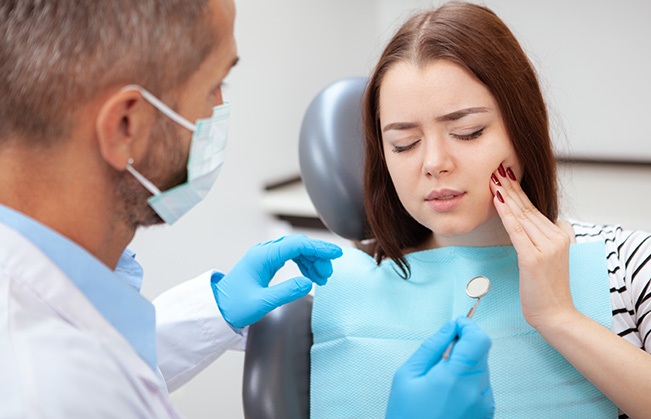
pixel 276 381
pixel 331 157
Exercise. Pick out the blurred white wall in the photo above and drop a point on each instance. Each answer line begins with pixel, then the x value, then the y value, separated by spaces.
pixel 290 49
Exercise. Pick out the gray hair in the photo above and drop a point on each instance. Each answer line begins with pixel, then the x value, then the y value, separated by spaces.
pixel 56 55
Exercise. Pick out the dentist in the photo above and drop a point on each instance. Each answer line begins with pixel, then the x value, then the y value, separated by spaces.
pixel 111 119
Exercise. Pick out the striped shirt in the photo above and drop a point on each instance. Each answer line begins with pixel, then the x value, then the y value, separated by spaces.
pixel 628 253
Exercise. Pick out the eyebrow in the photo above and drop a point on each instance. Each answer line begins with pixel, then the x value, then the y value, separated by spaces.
pixel 453 116
pixel 399 126
pixel 235 61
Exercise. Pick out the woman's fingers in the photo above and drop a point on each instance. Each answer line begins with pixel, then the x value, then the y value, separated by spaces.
pixel 519 236
pixel 542 247
pixel 519 215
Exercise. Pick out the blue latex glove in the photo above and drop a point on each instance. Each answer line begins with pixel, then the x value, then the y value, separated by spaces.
pixel 427 386
pixel 244 296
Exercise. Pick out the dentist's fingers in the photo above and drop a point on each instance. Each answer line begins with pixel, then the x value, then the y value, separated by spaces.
pixel 286 291
pixel 317 269
pixel 430 352
pixel 297 247
pixel 471 350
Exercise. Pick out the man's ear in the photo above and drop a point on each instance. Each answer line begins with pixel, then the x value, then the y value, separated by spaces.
pixel 123 126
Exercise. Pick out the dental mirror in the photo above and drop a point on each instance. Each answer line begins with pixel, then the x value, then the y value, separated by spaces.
pixel 476 288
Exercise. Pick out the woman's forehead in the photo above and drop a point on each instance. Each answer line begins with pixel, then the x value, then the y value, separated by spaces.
pixel 438 88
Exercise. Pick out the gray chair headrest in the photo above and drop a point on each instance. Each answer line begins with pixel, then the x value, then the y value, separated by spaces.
pixel 331 157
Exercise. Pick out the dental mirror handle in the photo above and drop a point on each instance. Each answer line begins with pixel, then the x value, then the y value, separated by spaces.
pixel 446 354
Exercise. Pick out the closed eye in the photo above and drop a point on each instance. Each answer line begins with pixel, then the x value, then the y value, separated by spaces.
pixel 470 136
pixel 402 148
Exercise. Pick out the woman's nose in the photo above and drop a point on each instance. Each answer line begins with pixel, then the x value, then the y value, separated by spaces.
pixel 438 159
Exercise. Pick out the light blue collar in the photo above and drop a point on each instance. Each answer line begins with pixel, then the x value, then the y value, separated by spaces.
pixel 115 294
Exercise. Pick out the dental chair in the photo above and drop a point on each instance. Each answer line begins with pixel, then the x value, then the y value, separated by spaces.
pixel 276 381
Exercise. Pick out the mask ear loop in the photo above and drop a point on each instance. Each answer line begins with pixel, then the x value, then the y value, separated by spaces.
pixel 143 180
pixel 169 112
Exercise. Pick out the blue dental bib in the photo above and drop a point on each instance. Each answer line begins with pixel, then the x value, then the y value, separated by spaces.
pixel 368 320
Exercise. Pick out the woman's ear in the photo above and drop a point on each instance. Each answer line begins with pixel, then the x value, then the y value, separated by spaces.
pixel 123 126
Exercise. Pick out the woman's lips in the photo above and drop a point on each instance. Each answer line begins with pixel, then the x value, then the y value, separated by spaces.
pixel 444 200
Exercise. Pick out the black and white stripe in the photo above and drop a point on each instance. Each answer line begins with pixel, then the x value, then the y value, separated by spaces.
pixel 628 257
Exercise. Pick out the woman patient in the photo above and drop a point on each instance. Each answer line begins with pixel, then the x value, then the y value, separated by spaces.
pixel 460 181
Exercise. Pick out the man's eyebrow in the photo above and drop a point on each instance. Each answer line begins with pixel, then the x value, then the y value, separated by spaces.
pixel 235 61
pixel 453 116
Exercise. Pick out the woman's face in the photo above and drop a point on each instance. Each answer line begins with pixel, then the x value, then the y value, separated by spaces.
pixel 443 136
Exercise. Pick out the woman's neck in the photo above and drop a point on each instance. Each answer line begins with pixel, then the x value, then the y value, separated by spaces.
pixel 491 233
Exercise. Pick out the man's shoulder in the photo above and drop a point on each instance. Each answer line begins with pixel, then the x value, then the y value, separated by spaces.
pixel 51 368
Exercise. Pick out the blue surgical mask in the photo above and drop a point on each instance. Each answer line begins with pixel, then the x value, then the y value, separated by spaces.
pixel 207 150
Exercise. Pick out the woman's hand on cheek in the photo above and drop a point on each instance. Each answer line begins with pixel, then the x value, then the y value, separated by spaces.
pixel 543 252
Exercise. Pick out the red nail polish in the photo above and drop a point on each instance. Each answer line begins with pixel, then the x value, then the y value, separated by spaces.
pixel 499 196
pixel 510 173
pixel 495 180
pixel 501 171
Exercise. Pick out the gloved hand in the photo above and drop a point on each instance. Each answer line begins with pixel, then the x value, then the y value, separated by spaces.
pixel 427 386
pixel 244 296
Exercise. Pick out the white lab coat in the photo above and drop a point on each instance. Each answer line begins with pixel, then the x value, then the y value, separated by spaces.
pixel 60 358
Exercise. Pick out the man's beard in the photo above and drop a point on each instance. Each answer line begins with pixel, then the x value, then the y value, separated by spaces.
pixel 165 165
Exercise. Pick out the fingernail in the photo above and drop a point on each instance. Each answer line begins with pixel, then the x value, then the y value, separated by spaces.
pixel 510 173
pixel 495 180
pixel 501 171
pixel 499 196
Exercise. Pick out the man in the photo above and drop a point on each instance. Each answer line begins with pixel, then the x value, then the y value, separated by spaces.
pixel 111 118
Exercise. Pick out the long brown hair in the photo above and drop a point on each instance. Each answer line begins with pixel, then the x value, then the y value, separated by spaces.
pixel 475 38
